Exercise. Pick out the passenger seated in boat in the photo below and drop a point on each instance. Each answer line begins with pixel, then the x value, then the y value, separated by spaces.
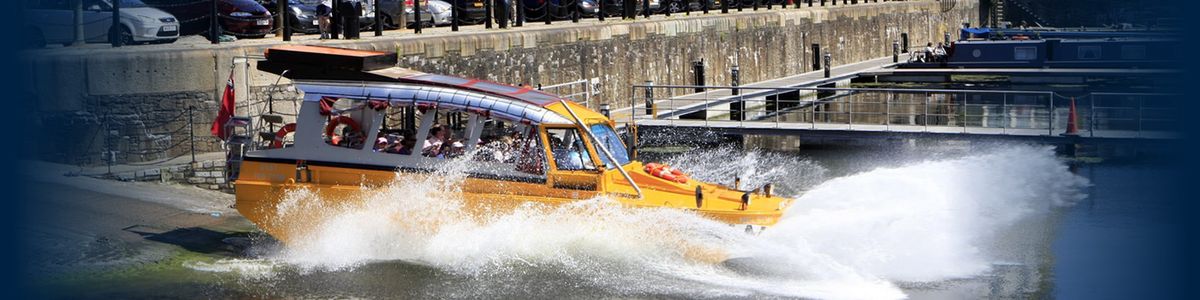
pixel 433 144
pixel 406 146
pixel 353 138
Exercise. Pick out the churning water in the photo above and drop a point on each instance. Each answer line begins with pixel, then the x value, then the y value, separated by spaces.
pixel 860 236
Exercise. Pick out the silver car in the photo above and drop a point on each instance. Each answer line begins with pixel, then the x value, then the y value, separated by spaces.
pixel 52 22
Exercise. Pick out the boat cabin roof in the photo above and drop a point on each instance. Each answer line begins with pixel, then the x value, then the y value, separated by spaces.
pixel 372 75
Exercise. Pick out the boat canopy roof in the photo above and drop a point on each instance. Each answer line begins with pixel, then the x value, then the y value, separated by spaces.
pixel 409 94
pixel 372 75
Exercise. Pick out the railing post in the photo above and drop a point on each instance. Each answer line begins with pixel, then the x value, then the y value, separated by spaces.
pixel 454 14
pixel 649 92
pixel 1004 112
pixel 115 34
pixel 417 17
pixel 926 123
pixel 724 6
pixel 503 12
pixel 646 9
pixel 488 10
pixel 1051 125
pixel 575 12
pixel 378 22
pixel 600 10
pixel 521 13
pixel 546 16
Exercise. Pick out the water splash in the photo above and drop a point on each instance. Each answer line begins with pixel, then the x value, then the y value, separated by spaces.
pixel 756 168
pixel 848 238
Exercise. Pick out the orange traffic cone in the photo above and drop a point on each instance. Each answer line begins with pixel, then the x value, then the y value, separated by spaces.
pixel 1072 128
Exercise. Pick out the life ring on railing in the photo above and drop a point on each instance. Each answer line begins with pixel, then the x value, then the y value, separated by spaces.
pixel 665 172
pixel 340 120
pixel 279 135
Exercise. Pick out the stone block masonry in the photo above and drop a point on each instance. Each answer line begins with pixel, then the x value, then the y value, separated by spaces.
pixel 123 100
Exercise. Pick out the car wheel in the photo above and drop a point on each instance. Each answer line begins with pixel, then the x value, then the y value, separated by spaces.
pixel 388 24
pixel 124 34
pixel 673 7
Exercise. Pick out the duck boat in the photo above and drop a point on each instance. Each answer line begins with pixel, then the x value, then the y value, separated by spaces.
pixel 363 123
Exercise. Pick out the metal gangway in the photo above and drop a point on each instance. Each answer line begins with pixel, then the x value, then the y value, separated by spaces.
pixel 898 112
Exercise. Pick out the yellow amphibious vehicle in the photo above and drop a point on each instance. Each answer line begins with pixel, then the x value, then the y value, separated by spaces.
pixel 363 122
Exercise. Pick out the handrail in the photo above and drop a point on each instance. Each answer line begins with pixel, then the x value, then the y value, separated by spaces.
pixel 603 149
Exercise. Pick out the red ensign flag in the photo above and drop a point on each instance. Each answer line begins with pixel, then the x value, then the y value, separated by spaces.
pixel 226 112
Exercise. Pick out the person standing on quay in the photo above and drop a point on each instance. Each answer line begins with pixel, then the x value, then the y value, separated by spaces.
pixel 324 12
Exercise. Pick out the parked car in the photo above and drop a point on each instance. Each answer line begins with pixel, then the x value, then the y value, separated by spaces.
pixel 241 18
pixel 427 14
pixel 302 16
pixel 438 11
pixel 53 22
pixel 615 7
pixel 677 6
pixel 558 9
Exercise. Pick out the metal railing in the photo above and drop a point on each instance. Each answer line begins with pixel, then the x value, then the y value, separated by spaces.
pixel 581 91
pixel 1000 112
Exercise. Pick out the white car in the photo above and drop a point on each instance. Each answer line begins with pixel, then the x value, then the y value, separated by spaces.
pixel 52 22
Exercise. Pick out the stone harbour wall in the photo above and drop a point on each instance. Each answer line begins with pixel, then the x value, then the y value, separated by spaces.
pixel 129 104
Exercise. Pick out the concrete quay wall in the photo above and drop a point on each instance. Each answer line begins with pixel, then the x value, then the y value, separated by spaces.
pixel 134 101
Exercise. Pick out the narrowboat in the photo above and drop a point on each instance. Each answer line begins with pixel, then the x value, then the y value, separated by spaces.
pixel 363 123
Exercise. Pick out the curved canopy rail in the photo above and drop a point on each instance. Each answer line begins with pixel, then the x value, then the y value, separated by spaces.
pixel 405 94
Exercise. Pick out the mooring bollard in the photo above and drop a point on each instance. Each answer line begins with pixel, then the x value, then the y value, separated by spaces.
pixel 828 61
pixel 895 51
pixel 733 75
pixel 698 73
pixel 649 98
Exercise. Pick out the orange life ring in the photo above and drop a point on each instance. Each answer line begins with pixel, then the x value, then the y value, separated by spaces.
pixel 340 120
pixel 290 127
pixel 665 172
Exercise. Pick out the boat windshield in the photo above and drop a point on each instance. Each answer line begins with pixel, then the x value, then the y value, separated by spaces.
pixel 609 138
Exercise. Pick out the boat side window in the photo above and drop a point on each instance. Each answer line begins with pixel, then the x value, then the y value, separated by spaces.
pixel 569 150
pixel 504 147
pixel 342 125
pixel 1025 53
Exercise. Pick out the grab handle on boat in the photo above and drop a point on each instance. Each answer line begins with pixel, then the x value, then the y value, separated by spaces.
pixel 602 148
